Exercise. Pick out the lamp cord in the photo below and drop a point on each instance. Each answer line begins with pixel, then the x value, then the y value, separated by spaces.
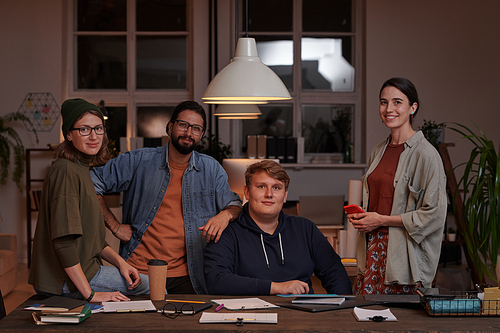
pixel 246 18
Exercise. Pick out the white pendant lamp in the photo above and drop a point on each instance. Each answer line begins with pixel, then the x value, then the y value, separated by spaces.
pixel 237 110
pixel 239 117
pixel 246 79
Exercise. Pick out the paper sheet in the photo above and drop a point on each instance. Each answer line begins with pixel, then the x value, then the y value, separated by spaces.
pixel 367 315
pixel 130 306
pixel 248 318
pixel 245 303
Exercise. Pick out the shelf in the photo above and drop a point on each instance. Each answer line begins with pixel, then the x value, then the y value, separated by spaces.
pixel 29 208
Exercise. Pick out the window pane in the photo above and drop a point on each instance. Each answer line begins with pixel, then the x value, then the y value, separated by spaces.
pixel 161 62
pixel 327 16
pixel 265 15
pixel 152 122
pixel 276 120
pixel 326 129
pixel 102 62
pixel 327 64
pixel 277 54
pixel 161 15
pixel 116 124
pixel 98 15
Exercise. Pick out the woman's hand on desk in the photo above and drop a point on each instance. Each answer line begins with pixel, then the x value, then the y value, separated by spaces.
pixel 289 287
pixel 114 296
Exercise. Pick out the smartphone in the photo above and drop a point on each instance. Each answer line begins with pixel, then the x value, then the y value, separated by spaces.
pixel 353 209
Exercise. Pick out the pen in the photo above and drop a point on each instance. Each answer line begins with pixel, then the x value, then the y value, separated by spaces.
pixel 219 307
pixel 181 301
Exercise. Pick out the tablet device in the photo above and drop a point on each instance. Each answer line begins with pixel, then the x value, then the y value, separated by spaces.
pixel 358 301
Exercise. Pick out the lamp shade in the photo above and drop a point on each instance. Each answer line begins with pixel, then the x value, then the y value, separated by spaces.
pixel 235 102
pixel 246 78
pixel 239 117
pixel 226 110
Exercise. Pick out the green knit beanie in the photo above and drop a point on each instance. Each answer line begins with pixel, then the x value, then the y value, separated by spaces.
pixel 71 109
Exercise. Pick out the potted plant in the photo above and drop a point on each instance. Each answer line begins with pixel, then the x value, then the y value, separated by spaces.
pixel 452 234
pixel 433 132
pixel 481 202
pixel 211 146
pixel 11 142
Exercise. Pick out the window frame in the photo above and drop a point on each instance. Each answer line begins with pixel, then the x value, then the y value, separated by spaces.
pixel 305 98
pixel 197 22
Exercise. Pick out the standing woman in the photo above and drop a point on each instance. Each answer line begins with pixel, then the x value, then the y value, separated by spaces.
pixel 70 234
pixel 404 197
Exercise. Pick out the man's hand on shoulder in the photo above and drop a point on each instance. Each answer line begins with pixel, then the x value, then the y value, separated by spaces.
pixel 212 231
pixel 289 287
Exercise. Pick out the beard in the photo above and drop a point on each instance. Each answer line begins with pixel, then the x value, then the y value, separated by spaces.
pixel 183 148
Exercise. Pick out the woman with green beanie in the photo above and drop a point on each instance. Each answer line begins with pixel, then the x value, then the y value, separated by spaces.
pixel 69 242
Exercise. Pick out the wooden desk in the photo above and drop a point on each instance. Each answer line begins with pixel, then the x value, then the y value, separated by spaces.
pixel 411 319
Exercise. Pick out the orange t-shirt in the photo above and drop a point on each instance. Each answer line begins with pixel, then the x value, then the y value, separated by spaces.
pixel 165 238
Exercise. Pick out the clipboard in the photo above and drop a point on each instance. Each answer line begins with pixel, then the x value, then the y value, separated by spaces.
pixel 252 303
pixel 130 306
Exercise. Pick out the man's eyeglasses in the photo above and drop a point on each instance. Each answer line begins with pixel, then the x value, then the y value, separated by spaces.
pixel 171 311
pixel 85 131
pixel 184 125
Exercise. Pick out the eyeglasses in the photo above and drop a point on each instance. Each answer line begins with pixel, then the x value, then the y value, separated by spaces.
pixel 184 125
pixel 170 310
pixel 85 131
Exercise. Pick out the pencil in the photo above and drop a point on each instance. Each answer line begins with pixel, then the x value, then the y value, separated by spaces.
pixel 181 301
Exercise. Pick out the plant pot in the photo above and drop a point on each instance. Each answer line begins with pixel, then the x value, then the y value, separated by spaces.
pixel 452 237
pixel 438 134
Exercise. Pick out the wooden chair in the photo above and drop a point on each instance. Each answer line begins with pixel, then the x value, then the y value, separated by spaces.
pixel 327 212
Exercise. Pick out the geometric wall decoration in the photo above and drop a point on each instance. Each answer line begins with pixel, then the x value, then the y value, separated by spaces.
pixel 41 109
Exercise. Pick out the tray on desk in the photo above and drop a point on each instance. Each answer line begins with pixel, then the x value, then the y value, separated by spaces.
pixel 462 304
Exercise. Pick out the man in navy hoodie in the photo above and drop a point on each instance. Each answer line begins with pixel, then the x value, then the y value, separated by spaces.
pixel 265 251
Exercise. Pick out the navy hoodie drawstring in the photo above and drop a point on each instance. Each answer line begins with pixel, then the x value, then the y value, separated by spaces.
pixel 265 253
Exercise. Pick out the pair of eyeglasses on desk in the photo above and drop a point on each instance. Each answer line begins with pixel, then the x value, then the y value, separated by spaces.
pixel 172 310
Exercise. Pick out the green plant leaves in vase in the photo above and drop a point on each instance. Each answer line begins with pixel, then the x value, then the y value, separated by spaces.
pixel 11 142
pixel 433 132
pixel 480 185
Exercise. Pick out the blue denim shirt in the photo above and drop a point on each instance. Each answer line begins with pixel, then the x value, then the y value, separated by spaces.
pixel 143 176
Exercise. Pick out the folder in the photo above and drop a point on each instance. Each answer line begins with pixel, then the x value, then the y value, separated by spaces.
pixel 251 146
pixel 271 147
pixel 261 146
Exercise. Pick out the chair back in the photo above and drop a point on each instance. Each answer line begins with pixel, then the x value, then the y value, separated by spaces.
pixel 322 209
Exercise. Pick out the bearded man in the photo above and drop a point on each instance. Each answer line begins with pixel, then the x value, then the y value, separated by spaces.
pixel 173 198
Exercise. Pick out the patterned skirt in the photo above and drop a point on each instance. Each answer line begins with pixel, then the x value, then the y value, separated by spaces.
pixel 376 260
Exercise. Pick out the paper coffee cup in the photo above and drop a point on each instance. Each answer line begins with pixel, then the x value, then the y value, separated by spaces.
pixel 157 271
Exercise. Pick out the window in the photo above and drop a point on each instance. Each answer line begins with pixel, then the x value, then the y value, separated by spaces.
pixel 139 57
pixel 315 48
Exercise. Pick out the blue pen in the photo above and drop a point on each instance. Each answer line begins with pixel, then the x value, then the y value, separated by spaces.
pixel 219 307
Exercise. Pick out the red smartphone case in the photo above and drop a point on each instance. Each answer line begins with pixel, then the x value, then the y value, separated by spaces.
pixel 353 209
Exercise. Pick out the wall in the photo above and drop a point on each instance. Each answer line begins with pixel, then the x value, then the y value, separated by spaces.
pixel 31 56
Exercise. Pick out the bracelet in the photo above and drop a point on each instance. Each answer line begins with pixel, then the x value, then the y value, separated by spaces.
pixel 114 233
pixel 91 296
